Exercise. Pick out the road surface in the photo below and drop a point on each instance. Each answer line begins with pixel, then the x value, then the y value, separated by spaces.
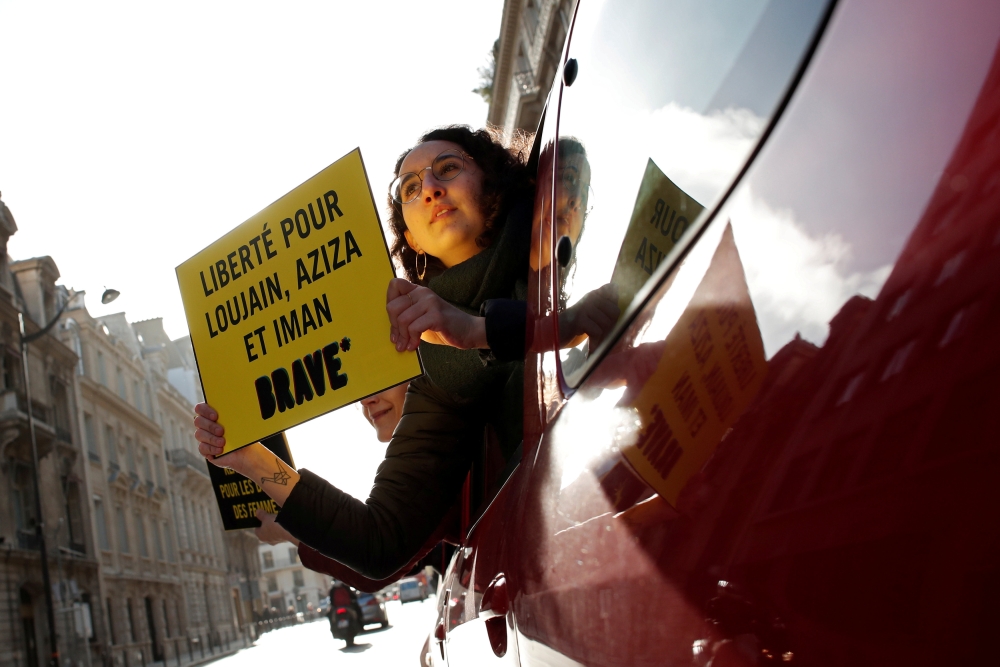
pixel 311 645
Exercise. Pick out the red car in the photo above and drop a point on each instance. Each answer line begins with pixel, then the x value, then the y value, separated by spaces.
pixel 787 449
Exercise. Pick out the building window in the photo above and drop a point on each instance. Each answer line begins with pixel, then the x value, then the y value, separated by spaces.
pixel 272 584
pixel 11 371
pixel 24 506
pixel 137 395
pixel 111 442
pixel 146 459
pixel 189 522
pixel 60 409
pixel 170 542
pixel 157 544
pixel 166 620
pixel 531 18
pixel 102 524
pixel 140 535
pixel 133 635
pixel 158 470
pixel 298 579
pixel 293 555
pixel 149 402
pixel 268 560
pixel 88 433
pixel 74 517
pixel 130 455
pixel 123 545
pixel 102 373
pixel 111 623
pixel 121 383
pixel 209 534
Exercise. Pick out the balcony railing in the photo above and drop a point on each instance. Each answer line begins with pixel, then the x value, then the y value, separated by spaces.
pixel 182 457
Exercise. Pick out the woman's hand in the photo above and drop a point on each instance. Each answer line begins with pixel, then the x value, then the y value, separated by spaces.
pixel 211 442
pixel 593 316
pixel 416 313
pixel 270 532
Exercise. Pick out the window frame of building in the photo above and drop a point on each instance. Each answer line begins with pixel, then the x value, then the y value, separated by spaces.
pixel 130 455
pixel 123 542
pixel 102 371
pixel 120 381
pixel 93 452
pixel 111 443
pixel 140 535
pixel 101 517
pixel 171 553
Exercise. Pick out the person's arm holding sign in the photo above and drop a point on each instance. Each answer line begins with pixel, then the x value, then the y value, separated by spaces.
pixel 255 461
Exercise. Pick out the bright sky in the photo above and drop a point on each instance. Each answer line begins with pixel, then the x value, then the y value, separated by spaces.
pixel 134 134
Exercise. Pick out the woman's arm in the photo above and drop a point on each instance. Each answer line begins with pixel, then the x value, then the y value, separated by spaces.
pixel 255 461
pixel 414 488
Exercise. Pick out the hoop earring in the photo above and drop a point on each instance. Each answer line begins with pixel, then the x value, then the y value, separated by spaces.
pixel 420 272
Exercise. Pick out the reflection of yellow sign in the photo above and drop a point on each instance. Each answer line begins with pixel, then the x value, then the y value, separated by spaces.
pixel 711 368
pixel 661 215
pixel 287 311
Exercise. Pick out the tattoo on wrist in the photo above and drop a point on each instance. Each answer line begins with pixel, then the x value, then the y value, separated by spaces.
pixel 280 477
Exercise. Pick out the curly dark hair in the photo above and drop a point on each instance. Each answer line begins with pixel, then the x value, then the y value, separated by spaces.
pixel 505 178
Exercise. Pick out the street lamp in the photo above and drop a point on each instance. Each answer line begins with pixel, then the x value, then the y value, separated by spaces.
pixel 108 296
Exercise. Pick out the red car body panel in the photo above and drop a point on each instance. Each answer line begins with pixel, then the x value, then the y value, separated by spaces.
pixel 848 514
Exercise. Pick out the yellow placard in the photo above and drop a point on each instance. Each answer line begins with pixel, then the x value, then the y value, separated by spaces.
pixel 287 311
pixel 661 215
pixel 712 366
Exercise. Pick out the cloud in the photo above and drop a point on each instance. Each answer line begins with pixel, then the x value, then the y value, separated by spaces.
pixel 798 281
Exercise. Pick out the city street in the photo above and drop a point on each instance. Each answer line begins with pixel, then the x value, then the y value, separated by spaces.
pixel 400 644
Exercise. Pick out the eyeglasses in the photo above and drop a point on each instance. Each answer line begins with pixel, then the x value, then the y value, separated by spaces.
pixel 445 167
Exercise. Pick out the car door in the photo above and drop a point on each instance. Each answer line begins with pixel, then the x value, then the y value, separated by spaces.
pixel 784 450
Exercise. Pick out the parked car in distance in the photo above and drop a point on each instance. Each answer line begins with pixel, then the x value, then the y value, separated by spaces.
pixel 373 609
pixel 411 589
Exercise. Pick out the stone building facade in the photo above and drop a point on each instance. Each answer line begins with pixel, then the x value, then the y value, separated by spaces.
pixel 142 609
pixel 532 33
pixel 28 288
pixel 140 567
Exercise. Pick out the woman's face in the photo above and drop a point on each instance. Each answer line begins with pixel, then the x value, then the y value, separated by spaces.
pixel 572 187
pixel 384 410
pixel 445 219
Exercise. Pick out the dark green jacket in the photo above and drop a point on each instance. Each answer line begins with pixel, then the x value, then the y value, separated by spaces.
pixel 444 415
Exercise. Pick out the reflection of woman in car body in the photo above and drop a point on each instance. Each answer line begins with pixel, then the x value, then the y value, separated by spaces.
pixel 477 257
